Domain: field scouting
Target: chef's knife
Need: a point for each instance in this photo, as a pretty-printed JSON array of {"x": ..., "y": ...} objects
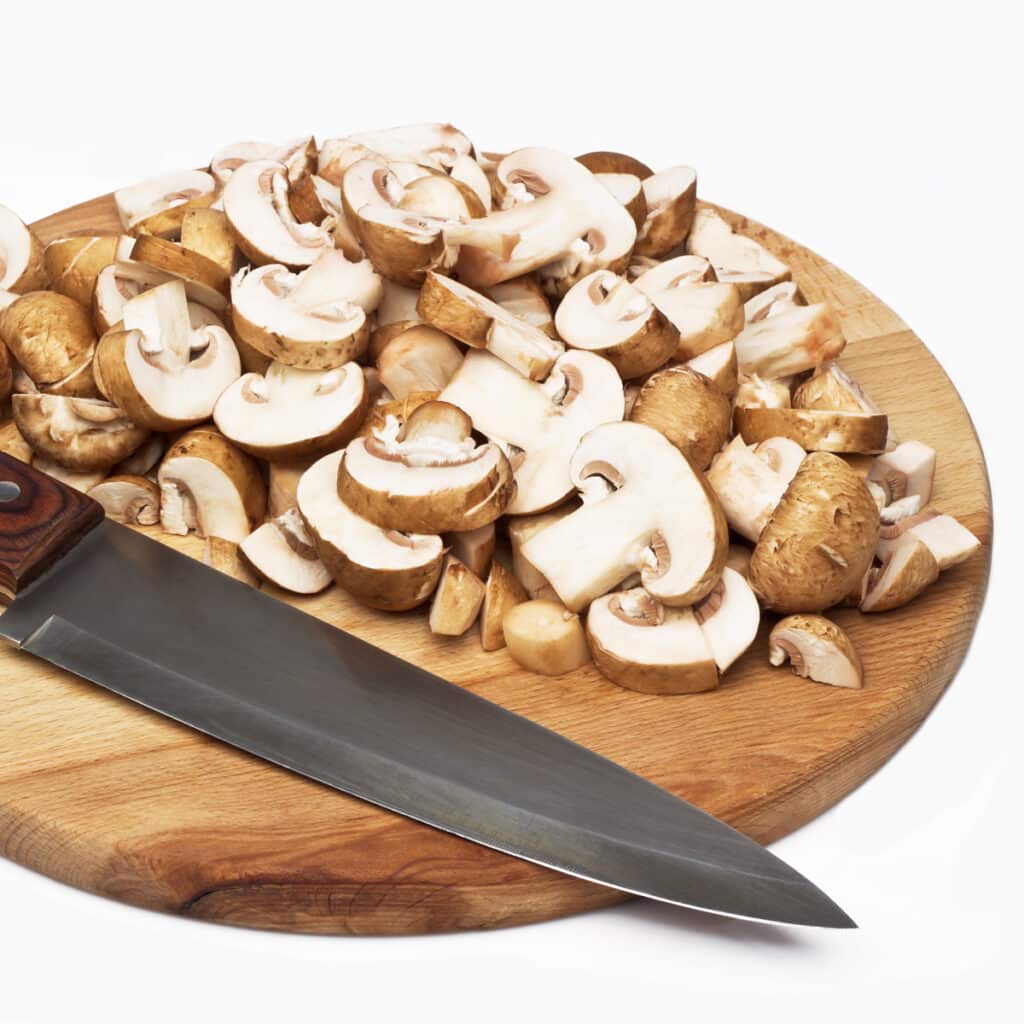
[{"x": 128, "y": 613}]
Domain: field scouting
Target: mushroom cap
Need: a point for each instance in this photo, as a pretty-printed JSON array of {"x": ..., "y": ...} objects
[
  {"x": 819, "y": 541},
  {"x": 908, "y": 569},
  {"x": 158, "y": 204},
  {"x": 653, "y": 513},
  {"x": 814, "y": 429},
  {"x": 799, "y": 339},
  {"x": 287, "y": 412},
  {"x": 282, "y": 552},
  {"x": 671, "y": 198},
  {"x": 545, "y": 637},
  {"x": 817, "y": 649},
  {"x": 73, "y": 263},
  {"x": 21, "y": 256},
  {"x": 606, "y": 314},
  {"x": 605, "y": 161},
  {"x": 48, "y": 334},
  {"x": 80, "y": 433},
  {"x": 640, "y": 644},
  {"x": 382, "y": 568},
  {"x": 729, "y": 617},
  {"x": 129, "y": 499}
]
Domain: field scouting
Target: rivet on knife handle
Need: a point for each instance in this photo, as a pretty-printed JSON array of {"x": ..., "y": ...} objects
[{"x": 40, "y": 519}]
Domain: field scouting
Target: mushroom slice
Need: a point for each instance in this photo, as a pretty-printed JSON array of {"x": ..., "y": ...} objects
[
  {"x": 474, "y": 548},
  {"x": 817, "y": 649},
  {"x": 707, "y": 313},
  {"x": 948, "y": 540},
  {"x": 74, "y": 263},
  {"x": 299, "y": 157},
  {"x": 164, "y": 374},
  {"x": 48, "y": 334},
  {"x": 747, "y": 487},
  {"x": 433, "y": 145},
  {"x": 481, "y": 323},
  {"x": 565, "y": 222},
  {"x": 419, "y": 358},
  {"x": 256, "y": 205},
  {"x": 814, "y": 429},
  {"x": 782, "y": 455},
  {"x": 134, "y": 500},
  {"x": 657, "y": 516},
  {"x": 21, "y": 256},
  {"x": 688, "y": 409},
  {"x": 606, "y": 314},
  {"x": 501, "y": 593},
  {"x": 819, "y": 541},
  {"x": 640, "y": 644},
  {"x": 755, "y": 392},
  {"x": 457, "y": 599},
  {"x": 383, "y": 569},
  {"x": 671, "y": 198},
  {"x": 288, "y": 412},
  {"x": 833, "y": 389},
  {"x": 131, "y": 278},
  {"x": 772, "y": 301},
  {"x": 539, "y": 425},
  {"x": 606, "y": 161},
  {"x": 210, "y": 486},
  {"x": 282, "y": 552},
  {"x": 156, "y": 206},
  {"x": 466, "y": 170},
  {"x": 729, "y": 618},
  {"x": 524, "y": 298},
  {"x": 80, "y": 433},
  {"x": 81, "y": 480},
  {"x": 208, "y": 233},
  {"x": 800, "y": 338},
  {"x": 545, "y": 637},
  {"x": 178, "y": 262},
  {"x": 908, "y": 569},
  {"x": 427, "y": 475},
  {"x": 629, "y": 191},
  {"x": 736, "y": 258},
  {"x": 315, "y": 320},
  {"x": 907, "y": 471},
  {"x": 720, "y": 366}
]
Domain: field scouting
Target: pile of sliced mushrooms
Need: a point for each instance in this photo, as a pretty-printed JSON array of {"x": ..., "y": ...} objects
[{"x": 554, "y": 396}]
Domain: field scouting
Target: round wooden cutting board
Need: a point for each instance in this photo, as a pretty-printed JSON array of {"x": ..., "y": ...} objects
[{"x": 114, "y": 799}]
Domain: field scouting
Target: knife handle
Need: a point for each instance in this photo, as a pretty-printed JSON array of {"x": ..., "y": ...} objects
[{"x": 40, "y": 520}]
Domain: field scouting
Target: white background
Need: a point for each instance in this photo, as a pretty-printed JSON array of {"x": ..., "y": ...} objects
[{"x": 886, "y": 139}]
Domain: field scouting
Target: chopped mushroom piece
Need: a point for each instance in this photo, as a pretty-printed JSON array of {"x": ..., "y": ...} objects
[
  {"x": 771, "y": 301},
  {"x": 299, "y": 156},
  {"x": 800, "y": 338},
  {"x": 720, "y": 366},
  {"x": 729, "y": 618},
  {"x": 74, "y": 263},
  {"x": 908, "y": 471},
  {"x": 948, "y": 540},
  {"x": 474, "y": 548},
  {"x": 908, "y": 569},
  {"x": 755, "y": 392},
  {"x": 21, "y": 256},
  {"x": 502, "y": 592},
  {"x": 420, "y": 358},
  {"x": 814, "y": 429},
  {"x": 13, "y": 444},
  {"x": 783, "y": 455},
  {"x": 520, "y": 530},
  {"x": 457, "y": 599},
  {"x": 156, "y": 206},
  {"x": 833, "y": 389},
  {"x": 282, "y": 552},
  {"x": 524, "y": 298},
  {"x": 629, "y": 191},
  {"x": 208, "y": 233},
  {"x": 210, "y": 283},
  {"x": 748, "y": 487},
  {"x": 50, "y": 336},
  {"x": 545, "y": 637},
  {"x": 671, "y": 198},
  {"x": 817, "y": 649},
  {"x": 134, "y": 500}
]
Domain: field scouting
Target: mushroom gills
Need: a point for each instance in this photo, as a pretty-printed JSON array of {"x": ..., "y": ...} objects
[{"x": 282, "y": 552}]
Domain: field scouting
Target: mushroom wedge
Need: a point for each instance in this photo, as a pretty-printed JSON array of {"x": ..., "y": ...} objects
[
  {"x": 720, "y": 366},
  {"x": 384, "y": 569},
  {"x": 439, "y": 146},
  {"x": 21, "y": 256},
  {"x": 671, "y": 198},
  {"x": 748, "y": 487},
  {"x": 817, "y": 649},
  {"x": 426, "y": 475},
  {"x": 771, "y": 301},
  {"x": 729, "y": 618},
  {"x": 800, "y": 338},
  {"x": 948, "y": 540},
  {"x": 457, "y": 599},
  {"x": 156, "y": 206},
  {"x": 524, "y": 298},
  {"x": 538, "y": 424},
  {"x": 908, "y": 569},
  {"x": 651, "y": 513},
  {"x": 282, "y": 552},
  {"x": 833, "y": 389},
  {"x": 288, "y": 413},
  {"x": 564, "y": 223},
  {"x": 162, "y": 372}
]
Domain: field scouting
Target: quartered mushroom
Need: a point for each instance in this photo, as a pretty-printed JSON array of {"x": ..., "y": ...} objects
[
  {"x": 645, "y": 510},
  {"x": 426, "y": 475},
  {"x": 282, "y": 551},
  {"x": 814, "y": 429},
  {"x": 817, "y": 649},
  {"x": 382, "y": 568},
  {"x": 288, "y": 413},
  {"x": 755, "y": 392},
  {"x": 948, "y": 540},
  {"x": 640, "y": 644},
  {"x": 604, "y": 313},
  {"x": 156, "y": 206},
  {"x": 524, "y": 298},
  {"x": 502, "y": 592},
  {"x": 474, "y": 548},
  {"x": 50, "y": 336},
  {"x": 457, "y": 599},
  {"x": 748, "y": 487},
  {"x": 420, "y": 358},
  {"x": 671, "y": 198},
  {"x": 538, "y": 424},
  {"x": 908, "y": 569},
  {"x": 719, "y": 365},
  {"x": 545, "y": 637},
  {"x": 21, "y": 256},
  {"x": 482, "y": 323},
  {"x": 798, "y": 339},
  {"x": 134, "y": 500},
  {"x": 74, "y": 263},
  {"x": 440, "y": 146},
  {"x": 908, "y": 471},
  {"x": 729, "y": 618}
]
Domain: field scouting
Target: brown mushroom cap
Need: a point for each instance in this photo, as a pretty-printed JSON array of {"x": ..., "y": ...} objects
[
  {"x": 817, "y": 649},
  {"x": 48, "y": 334},
  {"x": 21, "y": 256},
  {"x": 819, "y": 541},
  {"x": 605, "y": 161},
  {"x": 813, "y": 429},
  {"x": 75, "y": 262},
  {"x": 671, "y": 198}
]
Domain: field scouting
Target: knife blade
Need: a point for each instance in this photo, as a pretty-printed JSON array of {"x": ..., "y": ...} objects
[{"x": 157, "y": 627}]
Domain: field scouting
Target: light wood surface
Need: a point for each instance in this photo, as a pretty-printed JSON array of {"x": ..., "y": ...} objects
[{"x": 116, "y": 800}]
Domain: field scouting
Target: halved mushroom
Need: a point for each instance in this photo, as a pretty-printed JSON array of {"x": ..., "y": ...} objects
[
  {"x": 79, "y": 433},
  {"x": 814, "y": 429},
  {"x": 545, "y": 637},
  {"x": 282, "y": 552},
  {"x": 748, "y": 488},
  {"x": 640, "y": 644},
  {"x": 288, "y": 413},
  {"x": 908, "y": 569},
  {"x": 772, "y": 301},
  {"x": 457, "y": 599},
  {"x": 74, "y": 263},
  {"x": 654, "y": 514},
  {"x": 833, "y": 389},
  {"x": 706, "y": 312},
  {"x": 155, "y": 366},
  {"x": 729, "y": 618},
  {"x": 50, "y": 335},
  {"x": 604, "y": 313},
  {"x": 754, "y": 392},
  {"x": 433, "y": 145},
  {"x": 538, "y": 424},
  {"x": 524, "y": 298},
  {"x": 21, "y": 256},
  {"x": 671, "y": 197},
  {"x": 800, "y": 338},
  {"x": 384, "y": 569},
  {"x": 315, "y": 320},
  {"x": 427, "y": 475},
  {"x": 501, "y": 593},
  {"x": 257, "y": 208},
  {"x": 299, "y": 157},
  {"x": 817, "y": 649},
  {"x": 207, "y": 232},
  {"x": 907, "y": 471},
  {"x": 481, "y": 323},
  {"x": 419, "y": 358},
  {"x": 948, "y": 540},
  {"x": 688, "y": 409},
  {"x": 134, "y": 500},
  {"x": 720, "y": 366},
  {"x": 819, "y": 541},
  {"x": 566, "y": 224},
  {"x": 210, "y": 486},
  {"x": 783, "y": 455},
  {"x": 156, "y": 206},
  {"x": 736, "y": 258}
]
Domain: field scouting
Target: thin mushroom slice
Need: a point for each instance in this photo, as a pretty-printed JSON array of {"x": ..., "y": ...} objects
[
  {"x": 177, "y": 261},
  {"x": 671, "y": 198},
  {"x": 948, "y": 540},
  {"x": 817, "y": 649},
  {"x": 545, "y": 637},
  {"x": 799, "y": 339},
  {"x": 74, "y": 263},
  {"x": 282, "y": 552},
  {"x": 747, "y": 487},
  {"x": 639, "y": 644},
  {"x": 21, "y": 256},
  {"x": 383, "y": 569},
  {"x": 772, "y": 301},
  {"x": 720, "y": 366},
  {"x": 909, "y": 568},
  {"x": 457, "y": 599},
  {"x": 156, "y": 206},
  {"x": 814, "y": 429},
  {"x": 524, "y": 298},
  {"x": 729, "y": 618},
  {"x": 133, "y": 500},
  {"x": 629, "y": 191},
  {"x": 49, "y": 335},
  {"x": 905, "y": 472}
]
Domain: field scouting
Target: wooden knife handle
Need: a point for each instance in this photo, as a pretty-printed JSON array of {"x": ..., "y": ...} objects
[{"x": 40, "y": 520}]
